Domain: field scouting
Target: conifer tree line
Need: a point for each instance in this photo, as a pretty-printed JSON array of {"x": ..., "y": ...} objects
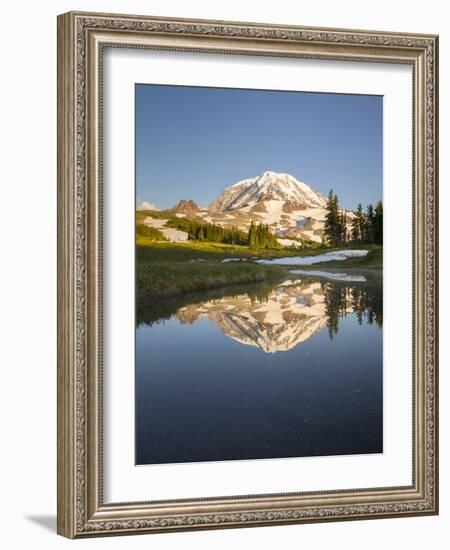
[
  {"x": 367, "y": 226},
  {"x": 258, "y": 235}
]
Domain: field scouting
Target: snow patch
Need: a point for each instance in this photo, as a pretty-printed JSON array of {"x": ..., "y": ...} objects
[
  {"x": 289, "y": 242},
  {"x": 173, "y": 235},
  {"x": 318, "y": 214},
  {"x": 310, "y": 260}
]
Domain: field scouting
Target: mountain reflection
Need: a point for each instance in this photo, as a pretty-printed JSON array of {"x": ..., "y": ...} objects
[{"x": 279, "y": 318}]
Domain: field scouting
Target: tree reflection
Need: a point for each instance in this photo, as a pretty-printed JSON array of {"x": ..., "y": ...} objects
[
  {"x": 366, "y": 302},
  {"x": 274, "y": 317}
]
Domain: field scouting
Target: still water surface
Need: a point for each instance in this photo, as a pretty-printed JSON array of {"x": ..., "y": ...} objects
[{"x": 262, "y": 372}]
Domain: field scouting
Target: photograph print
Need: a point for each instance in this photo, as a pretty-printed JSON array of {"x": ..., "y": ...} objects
[{"x": 259, "y": 269}]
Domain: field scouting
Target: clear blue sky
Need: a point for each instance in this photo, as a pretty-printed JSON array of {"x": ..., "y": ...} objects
[{"x": 193, "y": 142}]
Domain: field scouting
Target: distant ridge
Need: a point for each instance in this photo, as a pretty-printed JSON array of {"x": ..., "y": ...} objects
[{"x": 188, "y": 207}]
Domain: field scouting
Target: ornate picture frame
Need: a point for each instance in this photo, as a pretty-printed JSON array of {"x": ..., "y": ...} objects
[{"x": 82, "y": 38}]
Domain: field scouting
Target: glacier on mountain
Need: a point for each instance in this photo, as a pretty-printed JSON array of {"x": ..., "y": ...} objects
[{"x": 268, "y": 186}]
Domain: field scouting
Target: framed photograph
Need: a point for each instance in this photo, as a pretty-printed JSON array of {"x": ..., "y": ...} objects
[{"x": 247, "y": 276}]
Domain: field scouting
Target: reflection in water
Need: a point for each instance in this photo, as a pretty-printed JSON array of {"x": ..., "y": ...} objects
[
  {"x": 366, "y": 302},
  {"x": 279, "y": 318},
  {"x": 261, "y": 371},
  {"x": 286, "y": 316}
]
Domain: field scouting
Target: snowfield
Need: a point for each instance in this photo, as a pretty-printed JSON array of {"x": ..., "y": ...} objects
[
  {"x": 173, "y": 235},
  {"x": 288, "y": 242},
  {"x": 310, "y": 260},
  {"x": 269, "y": 185}
]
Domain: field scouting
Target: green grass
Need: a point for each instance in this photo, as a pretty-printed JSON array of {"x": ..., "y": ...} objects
[
  {"x": 177, "y": 278},
  {"x": 193, "y": 250},
  {"x": 175, "y": 268},
  {"x": 165, "y": 268},
  {"x": 149, "y": 233}
]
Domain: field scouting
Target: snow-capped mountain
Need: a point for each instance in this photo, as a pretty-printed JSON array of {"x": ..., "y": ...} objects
[
  {"x": 268, "y": 186},
  {"x": 291, "y": 208},
  {"x": 290, "y": 314}
]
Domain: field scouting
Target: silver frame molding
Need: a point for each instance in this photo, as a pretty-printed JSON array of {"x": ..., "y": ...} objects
[{"x": 81, "y": 39}]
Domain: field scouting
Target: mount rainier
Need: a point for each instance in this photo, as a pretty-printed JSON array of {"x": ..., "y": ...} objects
[
  {"x": 268, "y": 186},
  {"x": 291, "y": 208}
]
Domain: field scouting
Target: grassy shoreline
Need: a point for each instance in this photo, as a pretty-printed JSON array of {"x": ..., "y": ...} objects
[
  {"x": 169, "y": 280},
  {"x": 170, "y": 269}
]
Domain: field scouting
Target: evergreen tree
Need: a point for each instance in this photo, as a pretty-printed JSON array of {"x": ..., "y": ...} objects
[
  {"x": 343, "y": 227},
  {"x": 334, "y": 231},
  {"x": 260, "y": 236},
  {"x": 209, "y": 232},
  {"x": 369, "y": 225},
  {"x": 252, "y": 235},
  {"x": 378, "y": 223},
  {"x": 358, "y": 224},
  {"x": 331, "y": 219}
]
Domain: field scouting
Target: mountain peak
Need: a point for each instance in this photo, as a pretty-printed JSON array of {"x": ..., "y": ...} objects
[
  {"x": 272, "y": 173},
  {"x": 185, "y": 207},
  {"x": 269, "y": 185}
]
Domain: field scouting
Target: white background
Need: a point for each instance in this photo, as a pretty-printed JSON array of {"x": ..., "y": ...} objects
[
  {"x": 28, "y": 272},
  {"x": 123, "y": 482}
]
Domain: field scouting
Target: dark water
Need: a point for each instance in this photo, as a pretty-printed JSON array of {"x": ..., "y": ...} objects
[{"x": 267, "y": 372}]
